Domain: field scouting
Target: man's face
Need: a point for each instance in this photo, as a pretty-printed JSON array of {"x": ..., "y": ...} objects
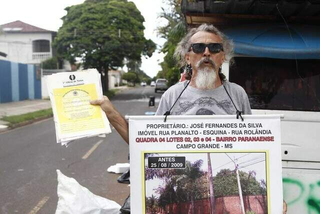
[{"x": 200, "y": 60}]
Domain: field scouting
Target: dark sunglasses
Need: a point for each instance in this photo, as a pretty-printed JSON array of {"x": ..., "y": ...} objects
[{"x": 201, "y": 47}]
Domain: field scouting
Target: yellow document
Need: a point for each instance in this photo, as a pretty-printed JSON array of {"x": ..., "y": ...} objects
[
  {"x": 74, "y": 110},
  {"x": 74, "y": 117}
]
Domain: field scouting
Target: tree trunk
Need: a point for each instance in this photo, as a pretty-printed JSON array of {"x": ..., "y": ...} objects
[
  {"x": 191, "y": 207},
  {"x": 210, "y": 176},
  {"x": 248, "y": 202},
  {"x": 104, "y": 80}
]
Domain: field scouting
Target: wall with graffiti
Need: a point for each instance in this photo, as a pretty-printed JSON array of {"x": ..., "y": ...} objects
[{"x": 301, "y": 190}]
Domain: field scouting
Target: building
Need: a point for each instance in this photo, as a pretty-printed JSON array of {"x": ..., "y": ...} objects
[
  {"x": 115, "y": 79},
  {"x": 24, "y": 43}
]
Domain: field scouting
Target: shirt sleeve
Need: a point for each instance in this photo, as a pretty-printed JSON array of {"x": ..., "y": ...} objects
[
  {"x": 246, "y": 104},
  {"x": 163, "y": 106}
]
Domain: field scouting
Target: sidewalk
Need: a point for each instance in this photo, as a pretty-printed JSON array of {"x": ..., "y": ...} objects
[
  {"x": 21, "y": 107},
  {"x": 26, "y": 106}
]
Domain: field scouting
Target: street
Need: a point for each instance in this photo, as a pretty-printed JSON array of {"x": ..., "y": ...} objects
[{"x": 30, "y": 156}]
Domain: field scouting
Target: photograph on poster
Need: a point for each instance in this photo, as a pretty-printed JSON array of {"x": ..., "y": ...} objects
[{"x": 230, "y": 182}]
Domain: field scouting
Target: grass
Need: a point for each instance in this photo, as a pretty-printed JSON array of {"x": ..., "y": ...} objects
[
  {"x": 111, "y": 92},
  {"x": 23, "y": 118}
]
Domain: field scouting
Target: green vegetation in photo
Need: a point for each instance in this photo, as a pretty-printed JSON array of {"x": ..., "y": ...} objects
[
  {"x": 180, "y": 185},
  {"x": 191, "y": 184},
  {"x": 17, "y": 119},
  {"x": 226, "y": 184}
]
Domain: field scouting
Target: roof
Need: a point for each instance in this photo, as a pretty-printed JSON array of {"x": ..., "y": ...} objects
[{"x": 21, "y": 27}]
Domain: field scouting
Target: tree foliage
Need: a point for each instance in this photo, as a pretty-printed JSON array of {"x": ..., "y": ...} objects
[
  {"x": 130, "y": 77},
  {"x": 191, "y": 184},
  {"x": 181, "y": 185},
  {"x": 51, "y": 63},
  {"x": 102, "y": 33},
  {"x": 225, "y": 183},
  {"x": 173, "y": 32},
  {"x": 151, "y": 203},
  {"x": 134, "y": 66}
]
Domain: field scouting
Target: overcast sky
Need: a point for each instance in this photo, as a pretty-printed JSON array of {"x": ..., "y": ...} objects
[{"x": 47, "y": 14}]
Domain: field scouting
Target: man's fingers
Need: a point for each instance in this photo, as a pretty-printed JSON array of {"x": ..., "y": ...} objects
[
  {"x": 105, "y": 98},
  {"x": 99, "y": 101},
  {"x": 96, "y": 102}
]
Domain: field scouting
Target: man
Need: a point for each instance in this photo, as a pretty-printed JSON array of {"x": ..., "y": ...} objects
[{"x": 202, "y": 51}]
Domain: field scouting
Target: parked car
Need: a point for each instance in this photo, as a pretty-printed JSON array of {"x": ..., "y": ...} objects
[
  {"x": 161, "y": 85},
  {"x": 143, "y": 84},
  {"x": 153, "y": 84}
]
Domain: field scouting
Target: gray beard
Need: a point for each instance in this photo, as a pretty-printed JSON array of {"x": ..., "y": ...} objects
[{"x": 206, "y": 78}]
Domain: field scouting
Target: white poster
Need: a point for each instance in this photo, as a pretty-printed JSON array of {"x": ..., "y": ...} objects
[{"x": 192, "y": 164}]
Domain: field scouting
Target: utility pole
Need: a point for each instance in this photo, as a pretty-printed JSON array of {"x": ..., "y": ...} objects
[
  {"x": 211, "y": 190},
  {"x": 240, "y": 190},
  {"x": 239, "y": 185}
]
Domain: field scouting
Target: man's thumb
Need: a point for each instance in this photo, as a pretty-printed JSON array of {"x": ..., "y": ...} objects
[{"x": 95, "y": 102}]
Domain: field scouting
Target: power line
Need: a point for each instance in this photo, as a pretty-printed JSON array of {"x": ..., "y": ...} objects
[
  {"x": 243, "y": 156},
  {"x": 255, "y": 158},
  {"x": 232, "y": 161},
  {"x": 251, "y": 164},
  {"x": 222, "y": 165}
]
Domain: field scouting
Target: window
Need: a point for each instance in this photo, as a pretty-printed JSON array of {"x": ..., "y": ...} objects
[
  {"x": 41, "y": 46},
  {"x": 279, "y": 84}
]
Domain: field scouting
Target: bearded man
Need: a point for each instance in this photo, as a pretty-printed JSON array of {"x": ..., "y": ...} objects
[{"x": 202, "y": 51}]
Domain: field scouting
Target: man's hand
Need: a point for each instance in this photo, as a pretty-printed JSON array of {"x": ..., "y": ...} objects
[
  {"x": 285, "y": 208},
  {"x": 105, "y": 105},
  {"x": 114, "y": 117}
]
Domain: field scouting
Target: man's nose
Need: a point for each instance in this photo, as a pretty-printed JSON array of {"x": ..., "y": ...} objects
[{"x": 206, "y": 52}]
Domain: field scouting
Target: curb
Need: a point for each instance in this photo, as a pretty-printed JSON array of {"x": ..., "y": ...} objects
[
  {"x": 3, "y": 128},
  {"x": 4, "y": 125},
  {"x": 11, "y": 127}
]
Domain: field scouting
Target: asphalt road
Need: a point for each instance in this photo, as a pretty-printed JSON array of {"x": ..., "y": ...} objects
[{"x": 29, "y": 158}]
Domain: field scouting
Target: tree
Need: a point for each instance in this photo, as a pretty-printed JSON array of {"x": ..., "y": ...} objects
[
  {"x": 102, "y": 33},
  {"x": 192, "y": 173},
  {"x": 134, "y": 66},
  {"x": 173, "y": 31},
  {"x": 167, "y": 195},
  {"x": 225, "y": 183},
  {"x": 52, "y": 63},
  {"x": 130, "y": 77},
  {"x": 151, "y": 203},
  {"x": 181, "y": 185}
]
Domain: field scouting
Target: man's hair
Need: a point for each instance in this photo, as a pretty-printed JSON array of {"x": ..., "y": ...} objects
[{"x": 184, "y": 45}]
